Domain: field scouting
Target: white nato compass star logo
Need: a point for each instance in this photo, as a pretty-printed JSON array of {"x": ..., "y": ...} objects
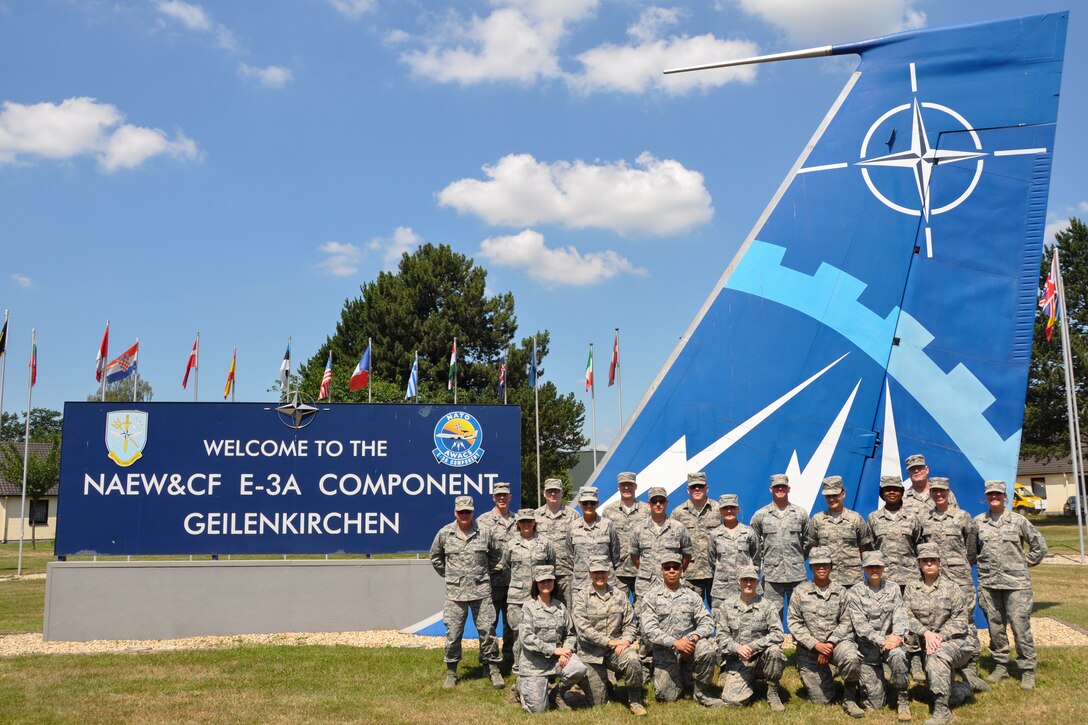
[{"x": 921, "y": 158}]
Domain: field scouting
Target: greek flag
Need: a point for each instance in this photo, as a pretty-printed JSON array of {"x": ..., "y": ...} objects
[{"x": 413, "y": 379}]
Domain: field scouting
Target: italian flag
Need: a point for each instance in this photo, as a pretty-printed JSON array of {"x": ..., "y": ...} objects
[
  {"x": 453, "y": 366},
  {"x": 589, "y": 371}
]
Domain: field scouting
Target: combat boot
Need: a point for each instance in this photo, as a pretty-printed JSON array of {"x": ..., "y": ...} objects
[
  {"x": 1027, "y": 680},
  {"x": 850, "y": 701},
  {"x": 705, "y": 696},
  {"x": 970, "y": 674},
  {"x": 555, "y": 697},
  {"x": 941, "y": 713},
  {"x": 917, "y": 672},
  {"x": 514, "y": 696},
  {"x": 451, "y": 677},
  {"x": 493, "y": 673},
  {"x": 903, "y": 711},
  {"x": 773, "y": 699},
  {"x": 961, "y": 692},
  {"x": 1000, "y": 673},
  {"x": 634, "y": 702}
]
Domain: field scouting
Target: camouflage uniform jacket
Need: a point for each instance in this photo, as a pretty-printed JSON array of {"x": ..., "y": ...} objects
[
  {"x": 895, "y": 535},
  {"x": 600, "y": 616},
  {"x": 1002, "y": 562},
  {"x": 466, "y": 561},
  {"x": 781, "y": 535},
  {"x": 701, "y": 525},
  {"x": 876, "y": 614},
  {"x": 626, "y": 520},
  {"x": 818, "y": 615},
  {"x": 519, "y": 558},
  {"x": 943, "y": 608},
  {"x": 918, "y": 503},
  {"x": 503, "y": 529},
  {"x": 756, "y": 624},
  {"x": 729, "y": 550},
  {"x": 669, "y": 614},
  {"x": 542, "y": 629},
  {"x": 555, "y": 528},
  {"x": 845, "y": 535},
  {"x": 589, "y": 541},
  {"x": 649, "y": 542},
  {"x": 955, "y": 535}
]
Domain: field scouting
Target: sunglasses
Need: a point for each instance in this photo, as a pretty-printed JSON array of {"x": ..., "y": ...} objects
[
  {"x": 697, "y": 486},
  {"x": 658, "y": 502},
  {"x": 588, "y": 503},
  {"x": 670, "y": 567}
]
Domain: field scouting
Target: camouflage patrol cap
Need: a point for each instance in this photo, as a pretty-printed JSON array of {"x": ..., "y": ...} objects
[
  {"x": 929, "y": 551},
  {"x": 500, "y": 487},
  {"x": 728, "y": 499},
  {"x": 599, "y": 565},
  {"x": 626, "y": 477},
  {"x": 543, "y": 572},
  {"x": 671, "y": 557},
  {"x": 833, "y": 486},
  {"x": 872, "y": 558},
  {"x": 551, "y": 484},
  {"x": 697, "y": 478},
  {"x": 819, "y": 555},
  {"x": 747, "y": 572},
  {"x": 657, "y": 492},
  {"x": 915, "y": 459},
  {"x": 588, "y": 493},
  {"x": 525, "y": 515},
  {"x": 780, "y": 479},
  {"x": 996, "y": 487},
  {"x": 891, "y": 482},
  {"x": 464, "y": 503},
  {"x": 938, "y": 482}
]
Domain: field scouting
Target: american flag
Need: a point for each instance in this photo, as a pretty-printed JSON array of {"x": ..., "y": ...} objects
[{"x": 326, "y": 380}]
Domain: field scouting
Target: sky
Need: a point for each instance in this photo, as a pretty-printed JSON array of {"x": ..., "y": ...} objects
[{"x": 240, "y": 168}]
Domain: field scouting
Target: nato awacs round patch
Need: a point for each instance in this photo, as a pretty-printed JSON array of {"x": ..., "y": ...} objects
[{"x": 457, "y": 438}]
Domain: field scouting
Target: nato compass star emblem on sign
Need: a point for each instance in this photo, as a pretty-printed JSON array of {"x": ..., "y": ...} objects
[
  {"x": 921, "y": 158},
  {"x": 297, "y": 413}
]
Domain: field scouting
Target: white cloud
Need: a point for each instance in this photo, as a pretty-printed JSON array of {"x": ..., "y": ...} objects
[
  {"x": 652, "y": 22},
  {"x": 656, "y": 196},
  {"x": 394, "y": 247},
  {"x": 836, "y": 21},
  {"x": 1083, "y": 207},
  {"x": 354, "y": 9},
  {"x": 22, "y": 280},
  {"x": 83, "y": 126},
  {"x": 567, "y": 266},
  {"x": 273, "y": 76},
  {"x": 341, "y": 260},
  {"x": 192, "y": 17}
]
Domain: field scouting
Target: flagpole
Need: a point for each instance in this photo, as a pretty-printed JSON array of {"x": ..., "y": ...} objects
[
  {"x": 505, "y": 384},
  {"x": 454, "y": 363},
  {"x": 1071, "y": 406},
  {"x": 370, "y": 373},
  {"x": 104, "y": 363},
  {"x": 136, "y": 380},
  {"x": 3, "y": 371},
  {"x": 593, "y": 405},
  {"x": 196, "y": 368},
  {"x": 26, "y": 445},
  {"x": 619, "y": 379},
  {"x": 234, "y": 369},
  {"x": 536, "y": 405},
  {"x": 415, "y": 368}
]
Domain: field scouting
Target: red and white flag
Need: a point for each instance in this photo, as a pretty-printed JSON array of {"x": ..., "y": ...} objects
[
  {"x": 103, "y": 354},
  {"x": 612, "y": 366},
  {"x": 191, "y": 365}
]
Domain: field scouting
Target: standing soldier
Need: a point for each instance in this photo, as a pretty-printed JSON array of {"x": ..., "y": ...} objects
[
  {"x": 732, "y": 546},
  {"x": 553, "y": 522},
  {"x": 605, "y": 624},
  {"x": 626, "y": 515},
  {"x": 679, "y": 628},
  {"x": 523, "y": 553},
  {"x": 841, "y": 530},
  {"x": 1005, "y": 584},
  {"x": 821, "y": 628},
  {"x": 500, "y": 522},
  {"x": 591, "y": 537},
  {"x": 657, "y": 537},
  {"x": 701, "y": 519},
  {"x": 879, "y": 619},
  {"x": 781, "y": 530},
  {"x": 917, "y": 499},
  {"x": 895, "y": 533},
  {"x": 750, "y": 643},
  {"x": 465, "y": 556}
]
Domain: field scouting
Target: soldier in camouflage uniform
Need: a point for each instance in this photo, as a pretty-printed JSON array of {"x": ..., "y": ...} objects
[
  {"x": 841, "y": 530},
  {"x": 1005, "y": 584},
  {"x": 750, "y": 642},
  {"x": 656, "y": 537},
  {"x": 938, "y": 611},
  {"x": 679, "y": 628},
  {"x": 466, "y": 556},
  {"x": 605, "y": 623},
  {"x": 916, "y": 498},
  {"x": 821, "y": 628},
  {"x": 553, "y": 522},
  {"x": 591, "y": 537},
  {"x": 523, "y": 553},
  {"x": 626, "y": 515},
  {"x": 895, "y": 533},
  {"x": 732, "y": 546},
  {"x": 781, "y": 530},
  {"x": 547, "y": 647},
  {"x": 500, "y": 521},
  {"x": 879, "y": 619},
  {"x": 702, "y": 519}
]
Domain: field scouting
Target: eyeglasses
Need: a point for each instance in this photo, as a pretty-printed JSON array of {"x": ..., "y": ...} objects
[{"x": 670, "y": 567}]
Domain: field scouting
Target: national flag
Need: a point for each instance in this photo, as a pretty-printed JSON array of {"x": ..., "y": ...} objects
[
  {"x": 532, "y": 366},
  {"x": 230, "y": 375},
  {"x": 589, "y": 370},
  {"x": 413, "y": 379},
  {"x": 1049, "y": 301},
  {"x": 123, "y": 365},
  {"x": 285, "y": 367},
  {"x": 191, "y": 365},
  {"x": 502, "y": 378},
  {"x": 360, "y": 377},
  {"x": 453, "y": 366},
  {"x": 103, "y": 354},
  {"x": 612, "y": 366},
  {"x": 326, "y": 380},
  {"x": 33, "y": 360},
  {"x": 4, "y": 337}
]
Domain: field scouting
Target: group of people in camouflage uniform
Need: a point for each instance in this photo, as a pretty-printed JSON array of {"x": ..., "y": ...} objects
[{"x": 634, "y": 593}]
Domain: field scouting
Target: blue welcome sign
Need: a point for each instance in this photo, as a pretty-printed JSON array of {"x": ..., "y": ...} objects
[{"x": 251, "y": 478}]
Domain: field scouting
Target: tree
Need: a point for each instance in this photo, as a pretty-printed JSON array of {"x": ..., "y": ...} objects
[
  {"x": 45, "y": 423},
  {"x": 42, "y": 473},
  {"x": 121, "y": 391},
  {"x": 435, "y": 295},
  {"x": 1046, "y": 427}
]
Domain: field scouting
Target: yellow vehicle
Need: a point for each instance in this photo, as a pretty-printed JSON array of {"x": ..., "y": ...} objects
[{"x": 1024, "y": 501}]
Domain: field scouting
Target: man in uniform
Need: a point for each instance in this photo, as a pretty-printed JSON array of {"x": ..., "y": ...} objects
[
  {"x": 465, "y": 556},
  {"x": 750, "y": 642},
  {"x": 841, "y": 530},
  {"x": 626, "y": 515},
  {"x": 500, "y": 522},
  {"x": 1004, "y": 582},
  {"x": 879, "y": 620},
  {"x": 701, "y": 519},
  {"x": 605, "y": 624},
  {"x": 916, "y": 499},
  {"x": 553, "y": 522},
  {"x": 821, "y": 628},
  {"x": 938, "y": 612},
  {"x": 591, "y": 537},
  {"x": 679, "y": 627},
  {"x": 656, "y": 537},
  {"x": 781, "y": 530},
  {"x": 732, "y": 545}
]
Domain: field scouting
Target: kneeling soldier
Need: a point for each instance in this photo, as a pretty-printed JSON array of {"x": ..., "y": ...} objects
[
  {"x": 750, "y": 642},
  {"x": 547, "y": 647}
]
